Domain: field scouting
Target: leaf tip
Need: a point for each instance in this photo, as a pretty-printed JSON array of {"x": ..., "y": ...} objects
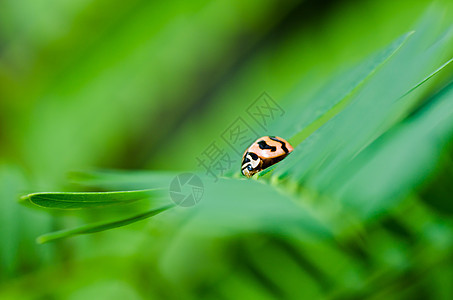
[
  {"x": 41, "y": 239},
  {"x": 24, "y": 198}
]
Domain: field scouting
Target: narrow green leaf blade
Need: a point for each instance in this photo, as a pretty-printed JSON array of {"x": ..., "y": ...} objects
[
  {"x": 319, "y": 161},
  {"x": 307, "y": 116},
  {"x": 101, "y": 226},
  {"x": 415, "y": 145},
  {"x": 429, "y": 76},
  {"x": 79, "y": 200}
]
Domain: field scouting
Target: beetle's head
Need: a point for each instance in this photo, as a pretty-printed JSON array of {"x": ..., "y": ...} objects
[{"x": 251, "y": 164}]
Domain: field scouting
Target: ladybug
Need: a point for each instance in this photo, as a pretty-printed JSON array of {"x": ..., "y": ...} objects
[{"x": 263, "y": 153}]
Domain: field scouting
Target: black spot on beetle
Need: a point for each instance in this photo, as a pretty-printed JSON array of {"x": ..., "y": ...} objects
[
  {"x": 253, "y": 155},
  {"x": 263, "y": 145},
  {"x": 281, "y": 142}
]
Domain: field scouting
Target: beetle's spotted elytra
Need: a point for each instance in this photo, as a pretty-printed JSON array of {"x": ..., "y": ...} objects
[{"x": 263, "y": 153}]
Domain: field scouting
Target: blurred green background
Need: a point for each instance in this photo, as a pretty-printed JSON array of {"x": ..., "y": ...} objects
[{"x": 143, "y": 85}]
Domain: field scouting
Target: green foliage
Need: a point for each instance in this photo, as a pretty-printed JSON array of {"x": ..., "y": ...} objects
[
  {"x": 88, "y": 200},
  {"x": 92, "y": 228},
  {"x": 335, "y": 163},
  {"x": 359, "y": 210}
]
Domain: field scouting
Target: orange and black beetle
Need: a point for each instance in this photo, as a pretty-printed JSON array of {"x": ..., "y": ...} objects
[{"x": 263, "y": 153}]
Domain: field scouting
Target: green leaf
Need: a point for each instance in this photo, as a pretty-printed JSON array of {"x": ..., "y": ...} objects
[
  {"x": 332, "y": 99},
  {"x": 403, "y": 158},
  {"x": 101, "y": 226},
  {"x": 79, "y": 200},
  {"x": 319, "y": 161},
  {"x": 239, "y": 205}
]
